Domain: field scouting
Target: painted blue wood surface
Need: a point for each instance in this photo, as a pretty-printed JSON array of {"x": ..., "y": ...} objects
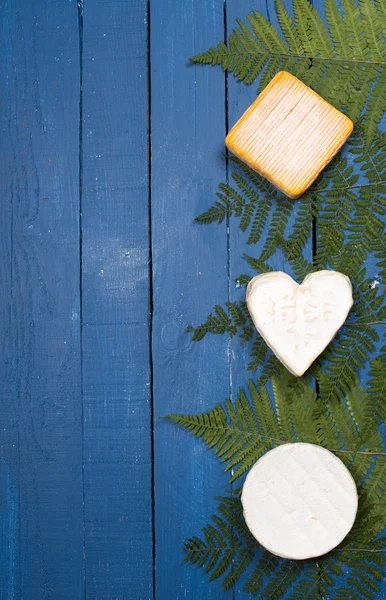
[
  {"x": 115, "y": 302},
  {"x": 93, "y": 308},
  {"x": 41, "y": 512},
  {"x": 190, "y": 274}
]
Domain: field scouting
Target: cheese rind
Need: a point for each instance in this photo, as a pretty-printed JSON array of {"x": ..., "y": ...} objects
[
  {"x": 298, "y": 321},
  {"x": 289, "y": 134},
  {"x": 299, "y": 501}
]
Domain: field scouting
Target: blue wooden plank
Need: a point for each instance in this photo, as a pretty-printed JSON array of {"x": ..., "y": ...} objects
[
  {"x": 41, "y": 512},
  {"x": 190, "y": 275},
  {"x": 240, "y": 97},
  {"x": 115, "y": 300}
]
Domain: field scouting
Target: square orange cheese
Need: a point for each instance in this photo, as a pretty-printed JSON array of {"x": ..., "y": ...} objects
[{"x": 289, "y": 134}]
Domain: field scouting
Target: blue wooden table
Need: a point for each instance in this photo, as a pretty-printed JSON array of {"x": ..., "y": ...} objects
[{"x": 110, "y": 145}]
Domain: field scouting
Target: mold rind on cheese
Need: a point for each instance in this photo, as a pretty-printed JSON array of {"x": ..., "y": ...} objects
[
  {"x": 299, "y": 321},
  {"x": 299, "y": 501}
]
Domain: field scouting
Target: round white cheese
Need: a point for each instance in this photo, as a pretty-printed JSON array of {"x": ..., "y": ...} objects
[{"x": 299, "y": 501}]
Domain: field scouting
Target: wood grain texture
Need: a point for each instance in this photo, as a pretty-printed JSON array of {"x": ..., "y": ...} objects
[
  {"x": 240, "y": 97},
  {"x": 190, "y": 274},
  {"x": 115, "y": 263},
  {"x": 62, "y": 538},
  {"x": 41, "y": 514}
]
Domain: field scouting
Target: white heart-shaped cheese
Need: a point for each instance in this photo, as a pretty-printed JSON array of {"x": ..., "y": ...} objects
[{"x": 298, "y": 321}]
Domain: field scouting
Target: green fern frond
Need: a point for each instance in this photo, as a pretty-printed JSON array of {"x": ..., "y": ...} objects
[
  {"x": 231, "y": 433},
  {"x": 301, "y": 267},
  {"x": 239, "y": 566},
  {"x": 376, "y": 107},
  {"x": 227, "y": 547},
  {"x": 288, "y": 28},
  {"x": 307, "y": 210},
  {"x": 259, "y": 221},
  {"x": 277, "y": 227},
  {"x": 310, "y": 586},
  {"x": 259, "y": 351},
  {"x": 241, "y": 431},
  {"x": 380, "y": 257},
  {"x": 232, "y": 319},
  {"x": 337, "y": 368},
  {"x": 320, "y": 43},
  {"x": 381, "y": 14},
  {"x": 236, "y": 431},
  {"x": 244, "y": 203},
  {"x": 258, "y": 264},
  {"x": 272, "y": 368},
  {"x": 338, "y": 34},
  {"x": 361, "y": 412},
  {"x": 354, "y": 30},
  {"x": 243, "y": 279},
  {"x": 266, "y": 33},
  {"x": 217, "y": 212},
  {"x": 335, "y": 215},
  {"x": 346, "y": 204},
  {"x": 266, "y": 565},
  {"x": 282, "y": 580},
  {"x": 377, "y": 386},
  {"x": 373, "y": 28},
  {"x": 345, "y": 357},
  {"x": 345, "y": 62},
  {"x": 338, "y": 201},
  {"x": 364, "y": 579}
]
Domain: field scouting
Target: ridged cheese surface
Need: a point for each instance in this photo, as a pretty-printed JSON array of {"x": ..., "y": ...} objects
[
  {"x": 289, "y": 134},
  {"x": 299, "y": 501}
]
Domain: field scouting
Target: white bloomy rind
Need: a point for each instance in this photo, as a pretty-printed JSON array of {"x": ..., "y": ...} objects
[
  {"x": 299, "y": 501},
  {"x": 298, "y": 321}
]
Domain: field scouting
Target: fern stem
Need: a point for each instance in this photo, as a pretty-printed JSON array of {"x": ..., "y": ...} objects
[
  {"x": 272, "y": 439},
  {"x": 381, "y": 63},
  {"x": 360, "y": 550},
  {"x": 288, "y": 568},
  {"x": 364, "y": 324},
  {"x": 348, "y": 187},
  {"x": 360, "y": 452}
]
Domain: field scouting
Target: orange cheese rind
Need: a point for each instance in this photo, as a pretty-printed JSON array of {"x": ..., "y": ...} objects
[{"x": 289, "y": 134}]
